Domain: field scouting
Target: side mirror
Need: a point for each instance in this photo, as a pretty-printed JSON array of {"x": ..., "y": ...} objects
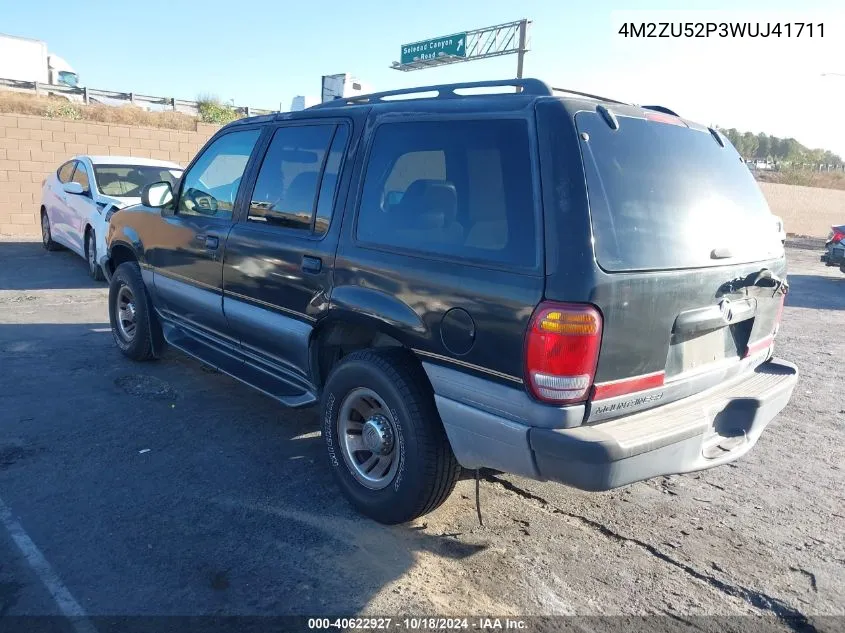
[
  {"x": 73, "y": 187},
  {"x": 157, "y": 194}
]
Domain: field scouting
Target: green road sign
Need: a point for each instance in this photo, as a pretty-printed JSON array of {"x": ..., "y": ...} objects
[{"x": 453, "y": 45}]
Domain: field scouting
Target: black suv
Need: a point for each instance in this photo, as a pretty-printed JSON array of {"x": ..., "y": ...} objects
[{"x": 541, "y": 282}]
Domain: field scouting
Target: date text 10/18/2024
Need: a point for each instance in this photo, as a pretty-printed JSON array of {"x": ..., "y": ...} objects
[{"x": 419, "y": 624}]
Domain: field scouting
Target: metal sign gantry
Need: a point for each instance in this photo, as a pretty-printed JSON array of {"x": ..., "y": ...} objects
[{"x": 491, "y": 41}]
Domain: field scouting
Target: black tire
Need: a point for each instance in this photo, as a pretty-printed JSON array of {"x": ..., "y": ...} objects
[
  {"x": 94, "y": 269},
  {"x": 146, "y": 326},
  {"x": 427, "y": 470},
  {"x": 47, "y": 233}
]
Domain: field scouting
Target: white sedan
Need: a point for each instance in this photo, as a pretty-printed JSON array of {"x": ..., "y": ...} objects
[{"x": 78, "y": 200}]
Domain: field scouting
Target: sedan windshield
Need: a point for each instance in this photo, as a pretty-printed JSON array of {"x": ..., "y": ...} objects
[{"x": 126, "y": 181}]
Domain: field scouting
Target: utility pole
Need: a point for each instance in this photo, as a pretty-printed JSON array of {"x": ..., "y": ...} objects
[{"x": 520, "y": 57}]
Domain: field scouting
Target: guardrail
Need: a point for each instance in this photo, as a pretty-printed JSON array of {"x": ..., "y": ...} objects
[{"x": 94, "y": 95}]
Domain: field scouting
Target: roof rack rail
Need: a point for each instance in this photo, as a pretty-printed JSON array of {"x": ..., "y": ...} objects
[
  {"x": 659, "y": 108},
  {"x": 588, "y": 95},
  {"x": 444, "y": 91}
]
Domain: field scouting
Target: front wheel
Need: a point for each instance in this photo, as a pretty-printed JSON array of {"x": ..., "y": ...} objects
[
  {"x": 132, "y": 321},
  {"x": 94, "y": 269},
  {"x": 387, "y": 447}
]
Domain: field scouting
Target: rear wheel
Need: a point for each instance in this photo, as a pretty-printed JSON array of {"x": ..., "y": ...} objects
[
  {"x": 387, "y": 447},
  {"x": 46, "y": 234},
  {"x": 133, "y": 323},
  {"x": 94, "y": 269}
]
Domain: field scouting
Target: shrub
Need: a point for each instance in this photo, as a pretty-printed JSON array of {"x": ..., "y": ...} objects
[
  {"x": 63, "y": 111},
  {"x": 212, "y": 111}
]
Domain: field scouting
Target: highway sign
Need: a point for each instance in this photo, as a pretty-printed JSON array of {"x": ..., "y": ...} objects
[{"x": 446, "y": 46}]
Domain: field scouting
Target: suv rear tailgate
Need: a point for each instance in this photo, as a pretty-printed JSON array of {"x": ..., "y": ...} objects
[{"x": 687, "y": 269}]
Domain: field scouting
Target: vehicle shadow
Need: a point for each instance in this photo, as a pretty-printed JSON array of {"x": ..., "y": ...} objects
[
  {"x": 27, "y": 266},
  {"x": 816, "y": 291},
  {"x": 210, "y": 498}
]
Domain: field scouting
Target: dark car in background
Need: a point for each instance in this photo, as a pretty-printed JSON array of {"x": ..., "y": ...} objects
[
  {"x": 545, "y": 282},
  {"x": 834, "y": 248}
]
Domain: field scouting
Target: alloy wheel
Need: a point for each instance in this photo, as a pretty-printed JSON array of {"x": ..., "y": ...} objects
[
  {"x": 368, "y": 438},
  {"x": 126, "y": 314}
]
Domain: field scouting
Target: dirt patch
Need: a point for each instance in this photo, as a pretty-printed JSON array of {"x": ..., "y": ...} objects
[
  {"x": 148, "y": 387},
  {"x": 805, "y": 178}
]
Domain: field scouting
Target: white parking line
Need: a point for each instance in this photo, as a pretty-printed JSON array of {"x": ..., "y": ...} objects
[{"x": 68, "y": 606}]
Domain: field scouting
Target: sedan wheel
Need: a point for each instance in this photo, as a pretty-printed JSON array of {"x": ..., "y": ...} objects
[{"x": 94, "y": 269}]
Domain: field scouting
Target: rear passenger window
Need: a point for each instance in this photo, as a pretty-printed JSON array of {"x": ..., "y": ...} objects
[
  {"x": 453, "y": 188},
  {"x": 285, "y": 193}
]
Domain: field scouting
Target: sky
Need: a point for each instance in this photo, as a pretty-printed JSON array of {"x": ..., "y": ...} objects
[{"x": 265, "y": 52}]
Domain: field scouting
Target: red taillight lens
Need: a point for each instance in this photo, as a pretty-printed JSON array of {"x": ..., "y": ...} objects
[
  {"x": 664, "y": 118},
  {"x": 561, "y": 351},
  {"x": 838, "y": 236}
]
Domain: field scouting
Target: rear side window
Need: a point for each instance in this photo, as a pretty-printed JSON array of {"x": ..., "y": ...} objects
[
  {"x": 667, "y": 196},
  {"x": 452, "y": 188},
  {"x": 65, "y": 171},
  {"x": 292, "y": 181}
]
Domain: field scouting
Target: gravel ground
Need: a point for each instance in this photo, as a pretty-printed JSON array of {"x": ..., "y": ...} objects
[{"x": 163, "y": 488}]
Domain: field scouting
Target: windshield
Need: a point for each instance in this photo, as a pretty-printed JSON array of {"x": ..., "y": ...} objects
[
  {"x": 668, "y": 196},
  {"x": 126, "y": 181},
  {"x": 68, "y": 78}
]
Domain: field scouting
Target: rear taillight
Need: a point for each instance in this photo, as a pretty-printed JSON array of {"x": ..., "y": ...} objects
[
  {"x": 838, "y": 236},
  {"x": 561, "y": 351}
]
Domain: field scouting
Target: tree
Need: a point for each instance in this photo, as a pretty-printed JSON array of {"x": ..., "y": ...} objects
[
  {"x": 764, "y": 146},
  {"x": 781, "y": 150},
  {"x": 748, "y": 143}
]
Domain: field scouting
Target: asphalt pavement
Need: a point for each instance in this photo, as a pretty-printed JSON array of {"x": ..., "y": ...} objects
[{"x": 165, "y": 488}]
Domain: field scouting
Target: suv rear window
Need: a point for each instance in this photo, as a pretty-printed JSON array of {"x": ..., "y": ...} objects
[
  {"x": 666, "y": 196},
  {"x": 452, "y": 188}
]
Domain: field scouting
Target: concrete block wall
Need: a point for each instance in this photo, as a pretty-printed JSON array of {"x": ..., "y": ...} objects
[{"x": 32, "y": 147}]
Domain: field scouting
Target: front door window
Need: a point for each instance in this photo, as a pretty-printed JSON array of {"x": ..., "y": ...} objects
[{"x": 211, "y": 185}]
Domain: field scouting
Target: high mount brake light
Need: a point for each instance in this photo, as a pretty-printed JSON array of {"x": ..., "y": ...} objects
[{"x": 658, "y": 117}]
